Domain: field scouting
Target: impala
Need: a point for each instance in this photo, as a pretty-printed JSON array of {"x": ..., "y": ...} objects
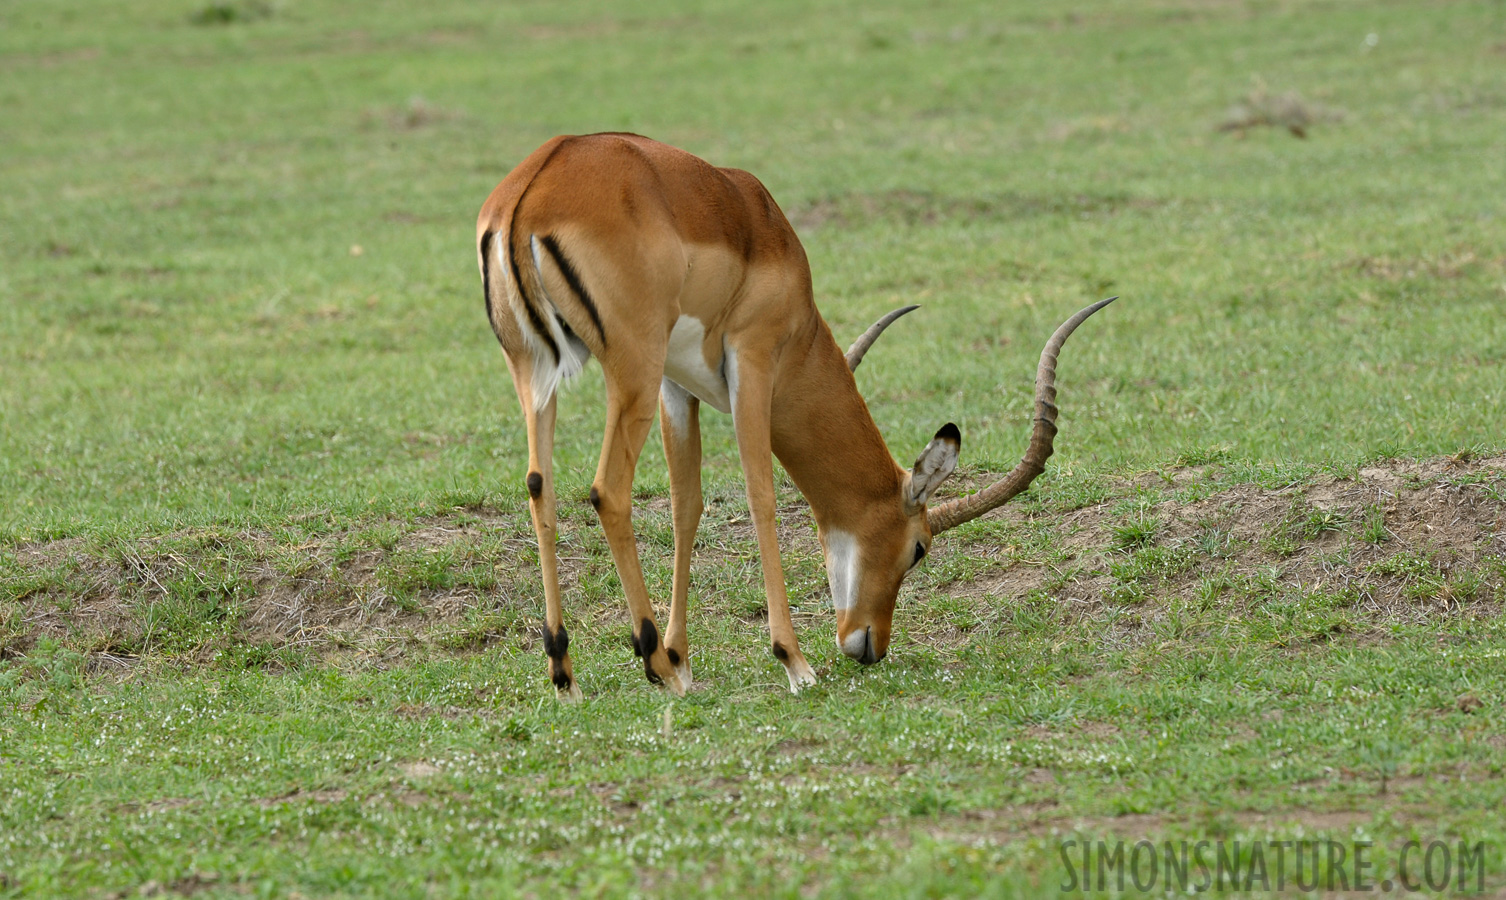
[{"x": 686, "y": 282}]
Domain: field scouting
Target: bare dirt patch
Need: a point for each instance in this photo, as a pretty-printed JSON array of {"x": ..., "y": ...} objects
[
  {"x": 323, "y": 795},
  {"x": 374, "y": 591},
  {"x": 1290, "y": 110},
  {"x": 1397, "y": 542}
]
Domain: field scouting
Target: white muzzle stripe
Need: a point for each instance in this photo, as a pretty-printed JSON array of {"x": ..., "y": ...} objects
[{"x": 842, "y": 569}]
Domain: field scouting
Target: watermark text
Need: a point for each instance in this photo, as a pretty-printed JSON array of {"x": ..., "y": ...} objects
[{"x": 1261, "y": 865}]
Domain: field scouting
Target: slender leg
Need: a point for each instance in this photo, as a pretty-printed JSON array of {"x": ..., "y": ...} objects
[
  {"x": 630, "y": 413},
  {"x": 752, "y": 393},
  {"x": 541, "y": 507},
  {"x": 680, "y": 426}
]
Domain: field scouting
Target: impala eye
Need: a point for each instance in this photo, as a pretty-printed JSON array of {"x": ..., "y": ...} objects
[{"x": 920, "y": 554}]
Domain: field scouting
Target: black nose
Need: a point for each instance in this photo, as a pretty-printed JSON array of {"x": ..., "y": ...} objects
[{"x": 869, "y": 657}]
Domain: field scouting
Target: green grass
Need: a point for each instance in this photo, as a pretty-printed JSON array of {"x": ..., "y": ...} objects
[{"x": 268, "y": 599}]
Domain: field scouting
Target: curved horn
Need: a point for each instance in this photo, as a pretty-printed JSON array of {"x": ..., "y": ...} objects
[
  {"x": 965, "y": 509},
  {"x": 865, "y": 340}
]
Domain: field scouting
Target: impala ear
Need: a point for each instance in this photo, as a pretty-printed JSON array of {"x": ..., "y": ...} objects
[{"x": 936, "y": 462}]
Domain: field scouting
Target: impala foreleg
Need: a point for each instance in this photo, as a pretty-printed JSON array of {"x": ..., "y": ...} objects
[
  {"x": 680, "y": 426},
  {"x": 751, "y": 399},
  {"x": 630, "y": 413}
]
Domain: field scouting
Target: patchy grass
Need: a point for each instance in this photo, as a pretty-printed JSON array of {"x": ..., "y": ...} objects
[
  {"x": 268, "y": 595},
  {"x": 1152, "y": 688},
  {"x": 448, "y": 581}
]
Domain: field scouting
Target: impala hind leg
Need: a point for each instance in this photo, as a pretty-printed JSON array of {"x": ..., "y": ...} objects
[
  {"x": 541, "y": 508},
  {"x": 752, "y": 394},
  {"x": 680, "y": 426},
  {"x": 630, "y": 413}
]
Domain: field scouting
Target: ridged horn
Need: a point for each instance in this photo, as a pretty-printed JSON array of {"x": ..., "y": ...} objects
[
  {"x": 865, "y": 340},
  {"x": 965, "y": 509}
]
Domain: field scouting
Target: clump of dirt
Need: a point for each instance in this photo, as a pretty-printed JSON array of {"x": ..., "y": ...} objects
[
  {"x": 1398, "y": 542},
  {"x": 421, "y": 583},
  {"x": 1263, "y": 109}
]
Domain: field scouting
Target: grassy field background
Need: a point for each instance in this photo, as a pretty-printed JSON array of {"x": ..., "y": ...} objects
[{"x": 268, "y": 599}]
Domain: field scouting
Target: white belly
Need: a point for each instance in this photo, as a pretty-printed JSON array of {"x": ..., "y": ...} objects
[{"x": 686, "y": 365}]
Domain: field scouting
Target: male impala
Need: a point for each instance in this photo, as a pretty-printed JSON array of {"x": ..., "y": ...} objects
[{"x": 688, "y": 284}]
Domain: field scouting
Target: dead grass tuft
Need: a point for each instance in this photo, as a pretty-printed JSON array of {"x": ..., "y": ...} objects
[
  {"x": 415, "y": 115},
  {"x": 1262, "y": 109}
]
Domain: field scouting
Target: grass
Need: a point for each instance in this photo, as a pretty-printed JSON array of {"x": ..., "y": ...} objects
[{"x": 268, "y": 595}]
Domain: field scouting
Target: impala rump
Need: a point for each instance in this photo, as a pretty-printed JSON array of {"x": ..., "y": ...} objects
[{"x": 533, "y": 328}]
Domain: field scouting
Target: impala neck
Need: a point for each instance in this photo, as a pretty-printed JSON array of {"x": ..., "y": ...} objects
[{"x": 825, "y": 437}]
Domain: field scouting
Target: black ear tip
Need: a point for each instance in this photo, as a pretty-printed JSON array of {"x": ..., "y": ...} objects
[{"x": 950, "y": 432}]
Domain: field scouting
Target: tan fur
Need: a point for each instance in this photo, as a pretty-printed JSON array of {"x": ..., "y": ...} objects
[{"x": 655, "y": 234}]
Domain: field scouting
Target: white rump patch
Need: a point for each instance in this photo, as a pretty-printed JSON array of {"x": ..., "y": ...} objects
[
  {"x": 842, "y": 569},
  {"x": 547, "y": 371},
  {"x": 685, "y": 364}
]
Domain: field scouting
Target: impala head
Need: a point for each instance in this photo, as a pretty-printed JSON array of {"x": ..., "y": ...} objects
[{"x": 867, "y": 564}]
